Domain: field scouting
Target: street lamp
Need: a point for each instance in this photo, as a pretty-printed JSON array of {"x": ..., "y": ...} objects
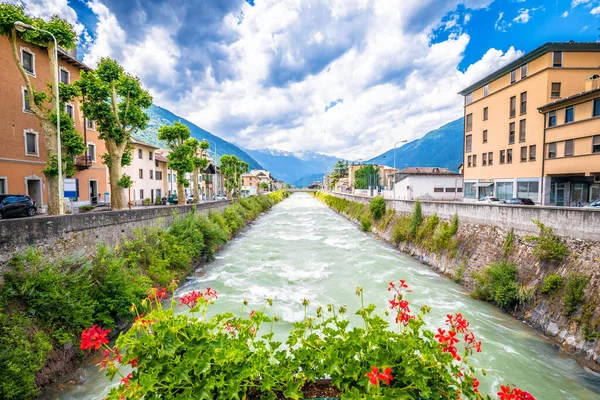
[
  {"x": 395, "y": 144},
  {"x": 22, "y": 27}
]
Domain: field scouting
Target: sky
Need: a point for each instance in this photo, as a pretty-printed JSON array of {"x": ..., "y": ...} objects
[{"x": 341, "y": 77}]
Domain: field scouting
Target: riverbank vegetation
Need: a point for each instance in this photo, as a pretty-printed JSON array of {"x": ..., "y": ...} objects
[
  {"x": 227, "y": 356},
  {"x": 45, "y": 304}
]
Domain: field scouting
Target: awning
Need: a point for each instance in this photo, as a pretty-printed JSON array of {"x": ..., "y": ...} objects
[{"x": 483, "y": 184}]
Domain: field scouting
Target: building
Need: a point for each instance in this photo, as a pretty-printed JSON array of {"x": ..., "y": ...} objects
[
  {"x": 505, "y": 150},
  {"x": 342, "y": 185},
  {"x": 386, "y": 177},
  {"x": 428, "y": 183},
  {"x": 22, "y": 153},
  {"x": 146, "y": 172},
  {"x": 251, "y": 181}
]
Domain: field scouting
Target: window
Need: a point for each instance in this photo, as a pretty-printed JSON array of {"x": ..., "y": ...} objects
[
  {"x": 532, "y": 151},
  {"x": 486, "y": 90},
  {"x": 557, "y": 59},
  {"x": 524, "y": 70},
  {"x": 513, "y": 106},
  {"x": 551, "y": 119},
  {"x": 469, "y": 190},
  {"x": 555, "y": 92},
  {"x": 3, "y": 186},
  {"x": 26, "y": 106},
  {"x": 596, "y": 108},
  {"x": 65, "y": 76},
  {"x": 151, "y": 176},
  {"x": 569, "y": 114},
  {"x": 569, "y": 147},
  {"x": 469, "y": 122},
  {"x": 513, "y": 76},
  {"x": 438, "y": 190},
  {"x": 523, "y": 103},
  {"x": 504, "y": 190},
  {"x": 524, "y": 154},
  {"x": 511, "y": 133},
  {"x": 158, "y": 175},
  {"x": 490, "y": 158},
  {"x": 90, "y": 124},
  {"x": 141, "y": 194},
  {"x": 502, "y": 156},
  {"x": 156, "y": 163},
  {"x": 552, "y": 150},
  {"x": 70, "y": 110},
  {"x": 91, "y": 151},
  {"x": 485, "y": 114},
  {"x": 169, "y": 178},
  {"x": 484, "y": 159},
  {"x": 522, "y": 130},
  {"x": 485, "y": 136},
  {"x": 474, "y": 160},
  {"x": 528, "y": 190},
  {"x": 28, "y": 61},
  {"x": 469, "y": 161},
  {"x": 150, "y": 155},
  {"x": 450, "y": 190},
  {"x": 469, "y": 143},
  {"x": 141, "y": 174},
  {"x": 596, "y": 144},
  {"x": 31, "y": 143},
  {"x": 140, "y": 156},
  {"x": 468, "y": 99},
  {"x": 509, "y": 156}
]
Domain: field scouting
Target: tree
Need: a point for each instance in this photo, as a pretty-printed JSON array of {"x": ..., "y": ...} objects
[
  {"x": 199, "y": 164},
  {"x": 232, "y": 169},
  {"x": 42, "y": 104},
  {"x": 264, "y": 186},
  {"x": 182, "y": 153},
  {"x": 340, "y": 170},
  {"x": 116, "y": 101},
  {"x": 366, "y": 176}
]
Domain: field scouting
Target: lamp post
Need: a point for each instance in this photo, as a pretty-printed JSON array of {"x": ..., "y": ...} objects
[
  {"x": 22, "y": 27},
  {"x": 395, "y": 144}
]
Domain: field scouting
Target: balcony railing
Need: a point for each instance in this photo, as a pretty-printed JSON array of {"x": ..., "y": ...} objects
[{"x": 83, "y": 162}]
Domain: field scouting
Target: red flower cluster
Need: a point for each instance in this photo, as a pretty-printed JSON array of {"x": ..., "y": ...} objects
[
  {"x": 142, "y": 320},
  {"x": 190, "y": 299},
  {"x": 125, "y": 381},
  {"x": 110, "y": 356},
  {"x": 94, "y": 337},
  {"x": 448, "y": 342},
  {"x": 158, "y": 293},
  {"x": 398, "y": 304},
  {"x": 457, "y": 324},
  {"x": 508, "y": 393},
  {"x": 375, "y": 376}
]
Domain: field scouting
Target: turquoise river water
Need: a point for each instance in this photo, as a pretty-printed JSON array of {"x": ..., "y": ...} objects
[{"x": 302, "y": 249}]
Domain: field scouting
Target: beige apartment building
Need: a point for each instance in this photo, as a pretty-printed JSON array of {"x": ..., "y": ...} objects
[
  {"x": 146, "y": 171},
  {"x": 506, "y": 123}
]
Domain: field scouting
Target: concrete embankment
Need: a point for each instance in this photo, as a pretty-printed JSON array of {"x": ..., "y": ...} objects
[{"x": 481, "y": 237}]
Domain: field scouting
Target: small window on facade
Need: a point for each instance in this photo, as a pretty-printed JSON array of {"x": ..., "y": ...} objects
[
  {"x": 552, "y": 150},
  {"x": 485, "y": 114},
  {"x": 70, "y": 110},
  {"x": 532, "y": 152},
  {"x": 450, "y": 190},
  {"x": 569, "y": 114},
  {"x": 513, "y": 106},
  {"x": 484, "y": 159},
  {"x": 151, "y": 176},
  {"x": 91, "y": 151},
  {"x": 150, "y": 155},
  {"x": 469, "y": 161},
  {"x": 158, "y": 175},
  {"x": 511, "y": 133},
  {"x": 469, "y": 143},
  {"x": 26, "y": 106},
  {"x": 513, "y": 76},
  {"x": 156, "y": 163},
  {"x": 569, "y": 147},
  {"x": 31, "y": 143},
  {"x": 141, "y": 194},
  {"x": 468, "y": 99},
  {"x": 509, "y": 156},
  {"x": 524, "y": 70},
  {"x": 596, "y": 108},
  {"x": 490, "y": 158},
  {"x": 596, "y": 144},
  {"x": 502, "y": 156},
  {"x": 469, "y": 123},
  {"x": 522, "y": 130},
  {"x": 64, "y": 76},
  {"x": 486, "y": 90},
  {"x": 523, "y": 103},
  {"x": 475, "y": 159},
  {"x": 551, "y": 119},
  {"x": 485, "y": 136},
  {"x": 557, "y": 59},
  {"x": 555, "y": 89},
  {"x": 3, "y": 185},
  {"x": 438, "y": 190},
  {"x": 141, "y": 174},
  {"x": 90, "y": 124},
  {"x": 140, "y": 154},
  {"x": 27, "y": 60},
  {"x": 523, "y": 153}
]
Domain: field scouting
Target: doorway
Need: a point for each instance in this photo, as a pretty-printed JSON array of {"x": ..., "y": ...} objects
[
  {"x": 93, "y": 192},
  {"x": 34, "y": 190}
]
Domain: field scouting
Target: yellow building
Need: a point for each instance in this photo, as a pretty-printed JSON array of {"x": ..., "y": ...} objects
[{"x": 504, "y": 132}]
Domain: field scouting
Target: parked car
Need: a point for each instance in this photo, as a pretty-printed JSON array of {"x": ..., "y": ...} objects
[
  {"x": 12, "y": 205},
  {"x": 189, "y": 199},
  {"x": 521, "y": 201},
  {"x": 594, "y": 204},
  {"x": 220, "y": 197},
  {"x": 491, "y": 200}
]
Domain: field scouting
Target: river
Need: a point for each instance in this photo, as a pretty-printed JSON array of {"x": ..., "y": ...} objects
[{"x": 302, "y": 249}]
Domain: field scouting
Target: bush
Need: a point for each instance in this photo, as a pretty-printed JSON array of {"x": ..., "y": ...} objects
[
  {"x": 377, "y": 207},
  {"x": 548, "y": 246},
  {"x": 157, "y": 201},
  {"x": 509, "y": 240},
  {"x": 552, "y": 283},
  {"x": 218, "y": 219},
  {"x": 498, "y": 283},
  {"x": 147, "y": 202},
  {"x": 83, "y": 209},
  {"x": 415, "y": 221},
  {"x": 365, "y": 223},
  {"x": 575, "y": 292},
  {"x": 427, "y": 229},
  {"x": 383, "y": 223},
  {"x": 400, "y": 230},
  {"x": 526, "y": 294}
]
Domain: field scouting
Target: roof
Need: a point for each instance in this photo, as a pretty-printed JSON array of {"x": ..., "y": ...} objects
[
  {"x": 160, "y": 158},
  {"x": 532, "y": 55},
  {"x": 72, "y": 60},
  {"x": 144, "y": 143},
  {"x": 426, "y": 171},
  {"x": 568, "y": 99}
]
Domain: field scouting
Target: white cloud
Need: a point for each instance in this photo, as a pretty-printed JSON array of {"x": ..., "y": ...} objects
[
  {"x": 48, "y": 8},
  {"x": 575, "y": 3},
  {"x": 501, "y": 25},
  {"x": 595, "y": 11},
  {"x": 523, "y": 16},
  {"x": 565, "y": 14}
]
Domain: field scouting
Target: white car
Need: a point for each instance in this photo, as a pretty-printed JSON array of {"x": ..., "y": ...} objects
[
  {"x": 220, "y": 197},
  {"x": 594, "y": 204},
  {"x": 491, "y": 200}
]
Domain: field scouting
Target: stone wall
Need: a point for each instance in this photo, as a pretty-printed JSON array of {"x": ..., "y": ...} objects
[
  {"x": 577, "y": 223},
  {"x": 61, "y": 235}
]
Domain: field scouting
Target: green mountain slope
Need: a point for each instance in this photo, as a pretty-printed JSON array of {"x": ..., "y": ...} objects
[{"x": 160, "y": 116}]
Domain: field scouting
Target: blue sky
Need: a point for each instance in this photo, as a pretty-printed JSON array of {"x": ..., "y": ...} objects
[{"x": 342, "y": 77}]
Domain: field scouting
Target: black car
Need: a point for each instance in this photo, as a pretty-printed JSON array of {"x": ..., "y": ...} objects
[
  {"x": 16, "y": 204},
  {"x": 521, "y": 201}
]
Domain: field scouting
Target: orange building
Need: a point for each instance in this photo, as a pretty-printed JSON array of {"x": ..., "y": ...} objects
[
  {"x": 22, "y": 153},
  {"x": 505, "y": 151}
]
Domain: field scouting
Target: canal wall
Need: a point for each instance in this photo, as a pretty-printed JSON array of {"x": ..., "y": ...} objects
[
  {"x": 57, "y": 236},
  {"x": 481, "y": 239}
]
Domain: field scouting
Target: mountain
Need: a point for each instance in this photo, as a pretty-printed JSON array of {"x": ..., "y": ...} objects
[
  {"x": 160, "y": 116},
  {"x": 291, "y": 166},
  {"x": 308, "y": 179},
  {"x": 442, "y": 147}
]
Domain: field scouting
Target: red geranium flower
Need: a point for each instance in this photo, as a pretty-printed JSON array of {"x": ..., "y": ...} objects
[
  {"x": 94, "y": 337},
  {"x": 373, "y": 376},
  {"x": 386, "y": 376},
  {"x": 125, "y": 381}
]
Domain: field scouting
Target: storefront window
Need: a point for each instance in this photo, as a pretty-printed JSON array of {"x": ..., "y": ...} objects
[
  {"x": 469, "y": 190},
  {"x": 504, "y": 190},
  {"x": 594, "y": 192},
  {"x": 528, "y": 190}
]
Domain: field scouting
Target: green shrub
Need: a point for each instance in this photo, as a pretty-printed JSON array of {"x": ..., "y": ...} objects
[
  {"x": 83, "y": 209},
  {"x": 427, "y": 229},
  {"x": 218, "y": 219},
  {"x": 526, "y": 294},
  {"x": 157, "y": 201},
  {"x": 498, "y": 283},
  {"x": 575, "y": 292},
  {"x": 234, "y": 220},
  {"x": 147, "y": 202},
  {"x": 384, "y": 222},
  {"x": 590, "y": 328},
  {"x": 509, "y": 241},
  {"x": 214, "y": 237},
  {"x": 552, "y": 283},
  {"x": 548, "y": 246},
  {"x": 460, "y": 272},
  {"x": 377, "y": 207},
  {"x": 415, "y": 221},
  {"x": 365, "y": 223},
  {"x": 185, "y": 229},
  {"x": 400, "y": 230}
]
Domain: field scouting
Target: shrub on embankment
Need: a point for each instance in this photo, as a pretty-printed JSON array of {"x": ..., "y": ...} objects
[{"x": 45, "y": 304}]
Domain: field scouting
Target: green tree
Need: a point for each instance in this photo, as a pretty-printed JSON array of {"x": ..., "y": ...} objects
[
  {"x": 232, "y": 169},
  {"x": 264, "y": 186},
  {"x": 182, "y": 153},
  {"x": 116, "y": 101},
  {"x": 340, "y": 170},
  {"x": 42, "y": 103},
  {"x": 366, "y": 176},
  {"x": 200, "y": 162}
]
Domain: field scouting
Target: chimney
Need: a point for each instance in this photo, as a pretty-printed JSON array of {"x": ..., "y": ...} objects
[{"x": 593, "y": 82}]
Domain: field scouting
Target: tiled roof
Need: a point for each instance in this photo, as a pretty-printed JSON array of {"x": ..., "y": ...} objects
[
  {"x": 425, "y": 171},
  {"x": 567, "y": 99}
]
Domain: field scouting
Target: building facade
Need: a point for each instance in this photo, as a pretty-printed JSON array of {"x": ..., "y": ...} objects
[
  {"x": 504, "y": 144},
  {"x": 427, "y": 183},
  {"x": 23, "y": 155},
  {"x": 146, "y": 172}
]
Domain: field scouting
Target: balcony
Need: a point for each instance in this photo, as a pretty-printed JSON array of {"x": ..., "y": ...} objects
[{"x": 83, "y": 162}]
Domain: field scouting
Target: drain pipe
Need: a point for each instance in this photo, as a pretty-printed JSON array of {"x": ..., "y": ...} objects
[{"x": 543, "y": 186}]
